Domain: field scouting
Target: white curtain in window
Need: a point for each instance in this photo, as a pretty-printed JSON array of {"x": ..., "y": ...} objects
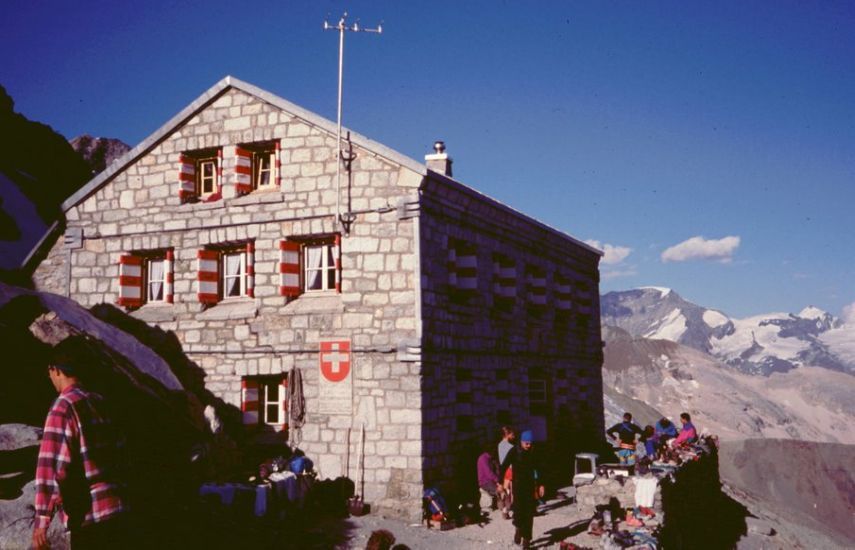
[
  {"x": 233, "y": 274},
  {"x": 155, "y": 280},
  {"x": 314, "y": 262}
]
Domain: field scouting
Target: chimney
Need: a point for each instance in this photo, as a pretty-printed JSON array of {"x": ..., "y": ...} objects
[{"x": 439, "y": 161}]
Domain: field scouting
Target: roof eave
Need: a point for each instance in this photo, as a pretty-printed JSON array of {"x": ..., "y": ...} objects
[{"x": 442, "y": 178}]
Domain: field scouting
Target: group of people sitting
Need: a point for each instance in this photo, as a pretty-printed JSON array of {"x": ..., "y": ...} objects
[
  {"x": 656, "y": 439},
  {"x": 510, "y": 476}
]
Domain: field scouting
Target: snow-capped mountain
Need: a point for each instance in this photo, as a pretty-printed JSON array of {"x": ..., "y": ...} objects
[{"x": 763, "y": 344}]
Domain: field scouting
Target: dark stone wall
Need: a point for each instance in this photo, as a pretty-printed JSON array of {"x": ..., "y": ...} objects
[{"x": 488, "y": 363}]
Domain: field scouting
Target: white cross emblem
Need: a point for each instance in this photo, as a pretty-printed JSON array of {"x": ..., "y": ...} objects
[{"x": 335, "y": 359}]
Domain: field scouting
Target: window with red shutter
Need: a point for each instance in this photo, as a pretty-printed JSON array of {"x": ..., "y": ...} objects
[
  {"x": 207, "y": 277},
  {"x": 289, "y": 268},
  {"x": 264, "y": 401},
  {"x": 130, "y": 281},
  {"x": 200, "y": 175}
]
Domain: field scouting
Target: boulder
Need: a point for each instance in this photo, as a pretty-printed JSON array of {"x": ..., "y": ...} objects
[
  {"x": 18, "y": 436},
  {"x": 16, "y": 523}
]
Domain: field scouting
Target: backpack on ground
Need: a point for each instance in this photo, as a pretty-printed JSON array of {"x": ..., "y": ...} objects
[{"x": 435, "y": 507}]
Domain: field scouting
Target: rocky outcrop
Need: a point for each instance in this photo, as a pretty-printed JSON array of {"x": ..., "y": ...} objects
[
  {"x": 99, "y": 152},
  {"x": 18, "y": 452}
]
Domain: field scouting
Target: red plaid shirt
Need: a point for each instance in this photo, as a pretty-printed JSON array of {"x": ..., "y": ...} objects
[{"x": 76, "y": 461}]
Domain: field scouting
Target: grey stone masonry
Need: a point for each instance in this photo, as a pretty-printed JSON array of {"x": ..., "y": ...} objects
[{"x": 437, "y": 361}]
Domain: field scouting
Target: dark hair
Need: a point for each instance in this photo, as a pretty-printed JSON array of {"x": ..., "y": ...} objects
[
  {"x": 627, "y": 416},
  {"x": 508, "y": 430},
  {"x": 380, "y": 539},
  {"x": 686, "y": 417},
  {"x": 648, "y": 431},
  {"x": 69, "y": 355},
  {"x": 665, "y": 422}
]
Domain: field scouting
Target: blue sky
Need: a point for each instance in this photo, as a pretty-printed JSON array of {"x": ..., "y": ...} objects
[{"x": 711, "y": 146}]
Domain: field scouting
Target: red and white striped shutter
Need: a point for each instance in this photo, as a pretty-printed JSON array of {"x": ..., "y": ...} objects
[
  {"x": 208, "y": 276},
  {"x": 585, "y": 297},
  {"x": 243, "y": 170},
  {"x": 220, "y": 172},
  {"x": 130, "y": 280},
  {"x": 505, "y": 280},
  {"x": 537, "y": 288},
  {"x": 452, "y": 267},
  {"x": 249, "y": 401},
  {"x": 563, "y": 293},
  {"x": 337, "y": 258},
  {"x": 169, "y": 267},
  {"x": 186, "y": 178},
  {"x": 467, "y": 269},
  {"x": 283, "y": 387},
  {"x": 289, "y": 268},
  {"x": 250, "y": 269},
  {"x": 277, "y": 164}
]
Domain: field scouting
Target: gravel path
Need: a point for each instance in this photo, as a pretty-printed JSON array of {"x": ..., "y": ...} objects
[{"x": 558, "y": 521}]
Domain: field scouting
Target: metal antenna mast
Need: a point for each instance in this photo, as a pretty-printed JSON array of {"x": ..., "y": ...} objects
[{"x": 341, "y": 27}]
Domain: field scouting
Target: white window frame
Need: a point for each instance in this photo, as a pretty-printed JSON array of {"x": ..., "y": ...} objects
[
  {"x": 265, "y": 385},
  {"x": 241, "y": 276},
  {"x": 202, "y": 179},
  {"x": 149, "y": 279},
  {"x": 257, "y": 171},
  {"x": 327, "y": 269}
]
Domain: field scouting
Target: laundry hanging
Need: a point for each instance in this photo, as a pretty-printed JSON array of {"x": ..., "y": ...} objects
[{"x": 297, "y": 404}]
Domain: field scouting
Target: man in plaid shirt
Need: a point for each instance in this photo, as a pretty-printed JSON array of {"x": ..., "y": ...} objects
[{"x": 77, "y": 462}]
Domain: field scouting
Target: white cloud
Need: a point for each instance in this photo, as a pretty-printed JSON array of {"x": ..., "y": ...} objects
[
  {"x": 699, "y": 248},
  {"x": 848, "y": 314},
  {"x": 613, "y": 254}
]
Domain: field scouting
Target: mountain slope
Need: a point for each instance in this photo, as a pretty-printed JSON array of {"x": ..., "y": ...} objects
[{"x": 807, "y": 403}]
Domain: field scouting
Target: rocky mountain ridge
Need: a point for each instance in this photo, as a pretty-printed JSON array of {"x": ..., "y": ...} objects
[
  {"x": 758, "y": 345},
  {"x": 99, "y": 152}
]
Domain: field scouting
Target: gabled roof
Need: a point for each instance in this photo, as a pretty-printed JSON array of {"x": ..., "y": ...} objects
[
  {"x": 230, "y": 82},
  {"x": 215, "y": 91}
]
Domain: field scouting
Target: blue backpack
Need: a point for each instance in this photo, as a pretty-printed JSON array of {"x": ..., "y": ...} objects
[
  {"x": 435, "y": 503},
  {"x": 300, "y": 465}
]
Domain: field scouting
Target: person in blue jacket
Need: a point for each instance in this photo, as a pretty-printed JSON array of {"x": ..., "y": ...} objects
[{"x": 663, "y": 431}]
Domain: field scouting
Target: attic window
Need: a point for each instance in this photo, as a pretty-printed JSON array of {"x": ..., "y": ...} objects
[
  {"x": 200, "y": 175},
  {"x": 256, "y": 166},
  {"x": 206, "y": 176}
]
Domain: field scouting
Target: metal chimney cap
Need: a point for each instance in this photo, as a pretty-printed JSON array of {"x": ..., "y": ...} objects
[{"x": 439, "y": 147}]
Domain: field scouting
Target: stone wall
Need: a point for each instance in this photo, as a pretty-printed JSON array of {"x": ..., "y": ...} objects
[
  {"x": 139, "y": 209},
  {"x": 484, "y": 361}
]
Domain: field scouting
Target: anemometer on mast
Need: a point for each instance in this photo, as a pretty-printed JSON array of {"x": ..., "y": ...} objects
[{"x": 346, "y": 219}]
